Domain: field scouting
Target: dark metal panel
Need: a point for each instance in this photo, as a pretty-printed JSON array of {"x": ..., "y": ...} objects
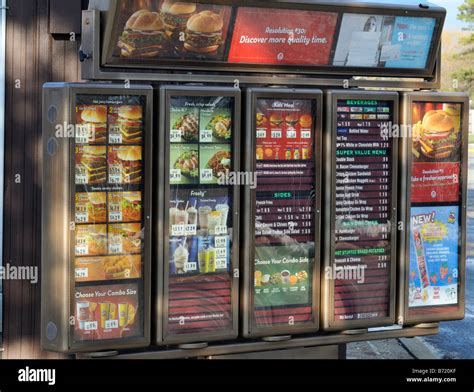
[{"x": 64, "y": 16}]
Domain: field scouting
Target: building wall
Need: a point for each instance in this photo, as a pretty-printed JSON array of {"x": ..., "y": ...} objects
[{"x": 34, "y": 56}]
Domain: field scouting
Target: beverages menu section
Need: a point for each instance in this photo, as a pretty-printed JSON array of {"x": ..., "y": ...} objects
[
  {"x": 170, "y": 32},
  {"x": 199, "y": 213},
  {"x": 109, "y": 230},
  {"x": 436, "y": 200},
  {"x": 362, "y": 263},
  {"x": 285, "y": 211}
]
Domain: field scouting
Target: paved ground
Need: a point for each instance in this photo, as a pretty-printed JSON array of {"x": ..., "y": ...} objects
[{"x": 456, "y": 338}]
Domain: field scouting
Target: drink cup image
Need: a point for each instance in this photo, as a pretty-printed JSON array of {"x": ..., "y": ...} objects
[
  {"x": 181, "y": 217},
  {"x": 203, "y": 213},
  {"x": 104, "y": 313},
  {"x": 173, "y": 212},
  {"x": 83, "y": 313},
  {"x": 285, "y": 277},
  {"x": 258, "y": 278},
  {"x": 212, "y": 259},
  {"x": 203, "y": 260},
  {"x": 131, "y": 314},
  {"x": 123, "y": 314},
  {"x": 192, "y": 215},
  {"x": 214, "y": 220},
  {"x": 224, "y": 210}
]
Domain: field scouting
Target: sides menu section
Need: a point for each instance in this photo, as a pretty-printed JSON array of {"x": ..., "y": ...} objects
[
  {"x": 109, "y": 204},
  {"x": 200, "y": 214},
  {"x": 284, "y": 251}
]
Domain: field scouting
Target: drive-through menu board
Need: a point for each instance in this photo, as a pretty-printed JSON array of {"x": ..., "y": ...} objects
[{"x": 360, "y": 199}]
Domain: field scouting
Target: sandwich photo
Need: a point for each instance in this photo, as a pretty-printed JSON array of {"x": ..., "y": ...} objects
[
  {"x": 204, "y": 33},
  {"x": 291, "y": 120},
  {"x": 125, "y": 238},
  {"x": 306, "y": 121},
  {"x": 276, "y": 120},
  {"x": 93, "y": 159},
  {"x": 94, "y": 123},
  {"x": 175, "y": 15},
  {"x": 129, "y": 122},
  {"x": 130, "y": 161},
  {"x": 261, "y": 119},
  {"x": 129, "y": 204},
  {"x": 143, "y": 35},
  {"x": 434, "y": 136},
  {"x": 92, "y": 205},
  {"x": 91, "y": 240}
]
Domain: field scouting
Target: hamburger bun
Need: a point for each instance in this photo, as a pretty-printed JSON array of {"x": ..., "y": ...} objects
[
  {"x": 130, "y": 112},
  {"x": 306, "y": 121},
  {"x": 94, "y": 114},
  {"x": 291, "y": 119},
  {"x": 130, "y": 154},
  {"x": 438, "y": 121},
  {"x": 276, "y": 119},
  {"x": 205, "y": 22},
  {"x": 178, "y": 7},
  {"x": 145, "y": 20},
  {"x": 207, "y": 49},
  {"x": 125, "y": 53}
]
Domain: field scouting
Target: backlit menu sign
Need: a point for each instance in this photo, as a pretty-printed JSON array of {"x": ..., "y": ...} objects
[
  {"x": 434, "y": 279},
  {"x": 286, "y": 210},
  {"x": 168, "y": 33},
  {"x": 361, "y": 263}
]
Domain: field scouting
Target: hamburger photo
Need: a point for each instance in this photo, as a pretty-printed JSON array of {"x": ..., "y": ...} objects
[
  {"x": 306, "y": 121},
  {"x": 94, "y": 161},
  {"x": 204, "y": 33},
  {"x": 130, "y": 160},
  {"x": 94, "y": 123},
  {"x": 435, "y": 136},
  {"x": 175, "y": 15},
  {"x": 128, "y": 235},
  {"x": 131, "y": 207},
  {"x": 97, "y": 207},
  {"x": 291, "y": 120},
  {"x": 91, "y": 240},
  {"x": 261, "y": 119},
  {"x": 129, "y": 122},
  {"x": 143, "y": 35},
  {"x": 276, "y": 120}
]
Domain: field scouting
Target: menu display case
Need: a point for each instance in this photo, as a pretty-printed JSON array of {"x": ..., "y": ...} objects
[
  {"x": 358, "y": 282},
  {"x": 274, "y": 36},
  {"x": 433, "y": 248},
  {"x": 96, "y": 217},
  {"x": 282, "y": 212},
  {"x": 201, "y": 128}
]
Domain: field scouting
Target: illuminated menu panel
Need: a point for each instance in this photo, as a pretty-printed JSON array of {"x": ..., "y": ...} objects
[
  {"x": 110, "y": 137},
  {"x": 363, "y": 197},
  {"x": 200, "y": 214},
  {"x": 285, "y": 211},
  {"x": 435, "y": 214}
]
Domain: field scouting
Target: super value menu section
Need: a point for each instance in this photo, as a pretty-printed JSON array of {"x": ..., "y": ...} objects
[
  {"x": 109, "y": 201},
  {"x": 362, "y": 262},
  {"x": 200, "y": 214},
  {"x": 285, "y": 208}
]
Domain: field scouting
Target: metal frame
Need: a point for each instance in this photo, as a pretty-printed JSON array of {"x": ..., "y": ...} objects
[
  {"x": 329, "y": 323},
  {"x": 324, "y": 6},
  {"x": 92, "y": 70},
  {"x": 250, "y": 328},
  {"x": 166, "y": 92},
  {"x": 250, "y": 347},
  {"x": 60, "y": 256},
  {"x": 406, "y": 162}
]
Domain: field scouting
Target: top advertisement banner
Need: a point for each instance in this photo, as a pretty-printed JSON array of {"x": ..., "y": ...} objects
[{"x": 169, "y": 33}]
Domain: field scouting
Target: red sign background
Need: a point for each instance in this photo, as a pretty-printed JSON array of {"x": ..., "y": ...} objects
[
  {"x": 282, "y": 36},
  {"x": 434, "y": 187}
]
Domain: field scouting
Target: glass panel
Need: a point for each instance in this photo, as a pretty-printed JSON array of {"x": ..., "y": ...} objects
[
  {"x": 201, "y": 133},
  {"x": 362, "y": 263},
  {"x": 284, "y": 222},
  {"x": 109, "y": 216},
  {"x": 434, "y": 229}
]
